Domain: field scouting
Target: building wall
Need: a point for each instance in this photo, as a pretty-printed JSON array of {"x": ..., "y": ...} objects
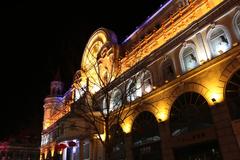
[{"x": 171, "y": 79}]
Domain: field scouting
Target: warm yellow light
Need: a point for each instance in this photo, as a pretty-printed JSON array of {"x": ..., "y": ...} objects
[
  {"x": 162, "y": 116},
  {"x": 126, "y": 127},
  {"x": 177, "y": 23},
  {"x": 52, "y": 152},
  {"x": 102, "y": 136},
  {"x": 45, "y": 154},
  {"x": 215, "y": 98},
  {"x": 95, "y": 88}
]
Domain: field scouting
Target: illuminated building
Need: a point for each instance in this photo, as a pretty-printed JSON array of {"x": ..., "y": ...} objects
[{"x": 188, "y": 63}]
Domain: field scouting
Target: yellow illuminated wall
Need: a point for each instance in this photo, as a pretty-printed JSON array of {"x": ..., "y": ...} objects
[{"x": 174, "y": 25}]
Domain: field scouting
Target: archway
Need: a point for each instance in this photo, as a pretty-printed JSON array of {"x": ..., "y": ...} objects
[
  {"x": 232, "y": 93},
  {"x": 117, "y": 143},
  {"x": 146, "y": 137},
  {"x": 191, "y": 114}
]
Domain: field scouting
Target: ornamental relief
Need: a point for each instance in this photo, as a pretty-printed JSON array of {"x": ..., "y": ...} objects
[
  {"x": 100, "y": 59},
  {"x": 105, "y": 62}
]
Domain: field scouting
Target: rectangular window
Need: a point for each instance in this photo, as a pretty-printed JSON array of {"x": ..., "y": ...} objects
[{"x": 189, "y": 62}]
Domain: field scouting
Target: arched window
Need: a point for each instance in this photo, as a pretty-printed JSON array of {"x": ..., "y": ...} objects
[
  {"x": 116, "y": 99},
  {"x": 218, "y": 40},
  {"x": 188, "y": 57},
  {"x": 233, "y": 95},
  {"x": 168, "y": 70},
  {"x": 147, "y": 82},
  {"x": 146, "y": 138},
  {"x": 189, "y": 112},
  {"x": 236, "y": 23},
  {"x": 131, "y": 90},
  {"x": 144, "y": 83}
]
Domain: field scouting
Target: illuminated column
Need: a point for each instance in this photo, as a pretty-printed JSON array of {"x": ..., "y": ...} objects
[
  {"x": 227, "y": 141},
  {"x": 47, "y": 114},
  {"x": 128, "y": 146},
  {"x": 167, "y": 153},
  {"x": 203, "y": 57},
  {"x": 64, "y": 154}
]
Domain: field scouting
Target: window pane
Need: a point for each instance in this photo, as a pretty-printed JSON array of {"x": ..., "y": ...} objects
[
  {"x": 116, "y": 100},
  {"x": 131, "y": 92},
  {"x": 238, "y": 22},
  {"x": 189, "y": 59},
  {"x": 219, "y": 42},
  {"x": 147, "y": 82},
  {"x": 147, "y": 85},
  {"x": 168, "y": 70}
]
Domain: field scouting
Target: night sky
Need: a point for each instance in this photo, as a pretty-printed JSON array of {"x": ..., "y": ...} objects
[{"x": 42, "y": 37}]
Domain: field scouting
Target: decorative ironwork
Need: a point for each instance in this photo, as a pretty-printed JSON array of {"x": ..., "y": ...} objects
[
  {"x": 146, "y": 138},
  {"x": 189, "y": 112}
]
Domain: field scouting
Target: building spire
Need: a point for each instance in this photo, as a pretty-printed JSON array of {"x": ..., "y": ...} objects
[
  {"x": 56, "y": 88},
  {"x": 57, "y": 76}
]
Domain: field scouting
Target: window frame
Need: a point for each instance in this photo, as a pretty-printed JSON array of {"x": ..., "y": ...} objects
[
  {"x": 130, "y": 94},
  {"x": 166, "y": 62},
  {"x": 209, "y": 33},
  {"x": 145, "y": 78},
  {"x": 113, "y": 96},
  {"x": 181, "y": 56},
  {"x": 235, "y": 25}
]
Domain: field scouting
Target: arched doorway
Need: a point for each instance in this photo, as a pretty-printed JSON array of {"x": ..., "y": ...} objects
[
  {"x": 233, "y": 95},
  {"x": 117, "y": 143},
  {"x": 190, "y": 119},
  {"x": 146, "y": 137}
]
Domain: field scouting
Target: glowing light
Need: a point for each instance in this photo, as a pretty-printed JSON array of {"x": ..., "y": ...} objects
[
  {"x": 45, "y": 154},
  {"x": 215, "y": 98},
  {"x": 77, "y": 94},
  {"x": 160, "y": 37},
  {"x": 102, "y": 136},
  {"x": 74, "y": 149},
  {"x": 148, "y": 89},
  {"x": 126, "y": 127},
  {"x": 162, "y": 116},
  {"x": 52, "y": 152}
]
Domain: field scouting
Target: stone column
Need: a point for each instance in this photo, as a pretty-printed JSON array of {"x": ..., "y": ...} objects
[
  {"x": 167, "y": 152},
  {"x": 227, "y": 141},
  {"x": 128, "y": 146}
]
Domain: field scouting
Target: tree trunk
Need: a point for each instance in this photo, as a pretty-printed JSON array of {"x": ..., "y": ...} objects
[
  {"x": 107, "y": 142},
  {"x": 107, "y": 152}
]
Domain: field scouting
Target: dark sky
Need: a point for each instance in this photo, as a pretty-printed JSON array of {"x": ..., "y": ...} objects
[{"x": 40, "y": 37}]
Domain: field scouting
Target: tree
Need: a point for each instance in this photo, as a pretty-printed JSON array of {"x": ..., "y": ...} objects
[{"x": 105, "y": 96}]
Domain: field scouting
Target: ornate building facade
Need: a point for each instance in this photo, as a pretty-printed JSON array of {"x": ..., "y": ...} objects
[{"x": 181, "y": 69}]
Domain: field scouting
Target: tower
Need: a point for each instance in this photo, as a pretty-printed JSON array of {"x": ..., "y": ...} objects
[{"x": 53, "y": 101}]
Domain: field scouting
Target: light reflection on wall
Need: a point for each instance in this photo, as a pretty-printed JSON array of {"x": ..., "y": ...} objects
[{"x": 177, "y": 23}]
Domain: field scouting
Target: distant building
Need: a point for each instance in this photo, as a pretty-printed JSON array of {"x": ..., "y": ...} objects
[
  {"x": 187, "y": 58},
  {"x": 20, "y": 147}
]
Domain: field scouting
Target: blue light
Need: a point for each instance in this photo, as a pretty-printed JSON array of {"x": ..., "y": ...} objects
[{"x": 148, "y": 19}]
